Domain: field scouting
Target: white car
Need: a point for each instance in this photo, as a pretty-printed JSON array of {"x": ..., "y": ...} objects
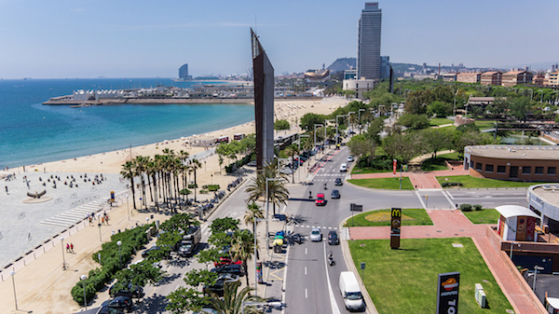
[
  {"x": 316, "y": 235},
  {"x": 343, "y": 167},
  {"x": 349, "y": 158}
]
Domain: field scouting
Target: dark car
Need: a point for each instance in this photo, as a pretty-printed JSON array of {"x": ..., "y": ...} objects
[
  {"x": 234, "y": 269},
  {"x": 131, "y": 292},
  {"x": 335, "y": 194},
  {"x": 121, "y": 303},
  {"x": 333, "y": 238},
  {"x": 219, "y": 286},
  {"x": 338, "y": 182},
  {"x": 105, "y": 309}
]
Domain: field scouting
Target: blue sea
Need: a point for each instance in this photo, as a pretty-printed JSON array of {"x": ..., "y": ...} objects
[{"x": 31, "y": 132}]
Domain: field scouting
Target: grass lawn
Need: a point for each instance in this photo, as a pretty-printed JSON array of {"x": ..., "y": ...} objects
[
  {"x": 405, "y": 280},
  {"x": 360, "y": 170},
  {"x": 483, "y": 125},
  {"x": 438, "y": 163},
  {"x": 440, "y": 121},
  {"x": 471, "y": 182},
  {"x": 381, "y": 218},
  {"x": 484, "y": 216},
  {"x": 384, "y": 183}
]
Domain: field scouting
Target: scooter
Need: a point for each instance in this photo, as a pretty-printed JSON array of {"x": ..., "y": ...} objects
[
  {"x": 325, "y": 186},
  {"x": 310, "y": 195},
  {"x": 297, "y": 238},
  {"x": 331, "y": 261}
]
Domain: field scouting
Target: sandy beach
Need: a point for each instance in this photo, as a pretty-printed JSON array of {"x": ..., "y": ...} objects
[{"x": 40, "y": 280}]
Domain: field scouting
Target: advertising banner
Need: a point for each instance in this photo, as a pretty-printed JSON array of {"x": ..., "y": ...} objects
[
  {"x": 447, "y": 293},
  {"x": 394, "y": 165},
  {"x": 395, "y": 223}
]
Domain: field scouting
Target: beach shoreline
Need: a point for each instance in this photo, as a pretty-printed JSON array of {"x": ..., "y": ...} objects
[{"x": 112, "y": 161}]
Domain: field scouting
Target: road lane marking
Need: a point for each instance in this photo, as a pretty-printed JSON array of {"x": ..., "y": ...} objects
[
  {"x": 305, "y": 270},
  {"x": 305, "y": 251},
  {"x": 335, "y": 309},
  {"x": 450, "y": 195},
  {"x": 448, "y": 199},
  {"x": 420, "y": 199},
  {"x": 306, "y": 294}
]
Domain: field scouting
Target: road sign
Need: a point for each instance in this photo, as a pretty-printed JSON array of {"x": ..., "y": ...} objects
[
  {"x": 447, "y": 293},
  {"x": 362, "y": 265},
  {"x": 355, "y": 208}
]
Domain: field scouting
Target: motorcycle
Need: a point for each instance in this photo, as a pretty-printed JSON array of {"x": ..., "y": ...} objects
[
  {"x": 331, "y": 261},
  {"x": 310, "y": 195},
  {"x": 297, "y": 238},
  {"x": 325, "y": 186}
]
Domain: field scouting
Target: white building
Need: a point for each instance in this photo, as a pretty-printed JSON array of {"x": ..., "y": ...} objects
[{"x": 359, "y": 86}]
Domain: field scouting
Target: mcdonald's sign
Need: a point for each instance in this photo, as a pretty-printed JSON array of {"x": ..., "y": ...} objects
[{"x": 395, "y": 224}]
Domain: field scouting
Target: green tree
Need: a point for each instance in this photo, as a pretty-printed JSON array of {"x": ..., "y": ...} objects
[
  {"x": 400, "y": 146},
  {"x": 129, "y": 172},
  {"x": 138, "y": 275},
  {"x": 190, "y": 298},
  {"x": 519, "y": 108},
  {"x": 440, "y": 109},
  {"x": 281, "y": 124},
  {"x": 310, "y": 119},
  {"x": 220, "y": 225},
  {"x": 434, "y": 140},
  {"x": 374, "y": 130},
  {"x": 414, "y": 121},
  {"x": 277, "y": 193},
  {"x": 291, "y": 151},
  {"x": 360, "y": 146}
]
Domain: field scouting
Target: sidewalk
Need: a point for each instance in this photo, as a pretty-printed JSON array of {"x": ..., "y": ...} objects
[{"x": 452, "y": 223}]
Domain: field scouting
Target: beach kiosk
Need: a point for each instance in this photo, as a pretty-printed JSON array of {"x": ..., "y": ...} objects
[{"x": 517, "y": 223}]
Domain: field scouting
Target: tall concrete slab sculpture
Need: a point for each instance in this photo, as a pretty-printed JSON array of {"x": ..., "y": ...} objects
[{"x": 263, "y": 102}]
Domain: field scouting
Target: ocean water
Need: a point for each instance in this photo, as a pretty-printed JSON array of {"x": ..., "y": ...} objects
[{"x": 31, "y": 132}]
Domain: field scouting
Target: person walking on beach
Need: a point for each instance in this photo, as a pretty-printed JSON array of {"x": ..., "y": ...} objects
[
  {"x": 107, "y": 219},
  {"x": 67, "y": 248},
  {"x": 102, "y": 219},
  {"x": 72, "y": 247}
]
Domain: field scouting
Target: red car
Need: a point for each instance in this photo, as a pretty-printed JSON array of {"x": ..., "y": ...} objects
[
  {"x": 226, "y": 261},
  {"x": 320, "y": 201}
]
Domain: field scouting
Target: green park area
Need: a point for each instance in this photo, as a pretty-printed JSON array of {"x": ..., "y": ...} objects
[
  {"x": 383, "y": 183},
  {"x": 471, "y": 182},
  {"x": 434, "y": 164},
  {"x": 440, "y": 121},
  {"x": 486, "y": 124},
  {"x": 405, "y": 280},
  {"x": 381, "y": 218},
  {"x": 484, "y": 216}
]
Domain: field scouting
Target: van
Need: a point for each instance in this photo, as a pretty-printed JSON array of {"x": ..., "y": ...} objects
[
  {"x": 343, "y": 167},
  {"x": 349, "y": 288}
]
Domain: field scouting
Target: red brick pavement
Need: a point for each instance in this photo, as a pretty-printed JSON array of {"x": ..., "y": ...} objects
[{"x": 452, "y": 223}]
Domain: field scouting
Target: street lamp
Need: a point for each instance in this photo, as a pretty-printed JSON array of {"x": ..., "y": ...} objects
[
  {"x": 315, "y": 136},
  {"x": 12, "y": 273},
  {"x": 83, "y": 278},
  {"x": 63, "y": 258},
  {"x": 100, "y": 239},
  {"x": 541, "y": 93},
  {"x": 337, "y": 135},
  {"x": 359, "y": 114},
  {"x": 454, "y": 110},
  {"x": 119, "y": 243},
  {"x": 536, "y": 268},
  {"x": 128, "y": 206},
  {"x": 255, "y": 261},
  {"x": 267, "y": 213},
  {"x": 299, "y": 166}
]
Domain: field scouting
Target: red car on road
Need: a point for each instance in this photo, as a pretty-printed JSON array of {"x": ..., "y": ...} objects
[
  {"x": 320, "y": 201},
  {"x": 226, "y": 261}
]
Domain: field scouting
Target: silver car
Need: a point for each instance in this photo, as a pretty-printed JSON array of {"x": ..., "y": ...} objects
[{"x": 316, "y": 235}]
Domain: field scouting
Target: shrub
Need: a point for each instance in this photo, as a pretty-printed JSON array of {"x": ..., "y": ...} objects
[
  {"x": 478, "y": 207},
  {"x": 193, "y": 186},
  {"x": 213, "y": 187},
  {"x": 465, "y": 207},
  {"x": 447, "y": 184},
  {"x": 203, "y": 191}
]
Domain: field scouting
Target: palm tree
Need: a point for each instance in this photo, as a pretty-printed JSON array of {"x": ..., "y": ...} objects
[
  {"x": 242, "y": 246},
  {"x": 195, "y": 164},
  {"x": 277, "y": 193},
  {"x": 253, "y": 212},
  {"x": 129, "y": 172},
  {"x": 141, "y": 169},
  {"x": 232, "y": 301},
  {"x": 291, "y": 151}
]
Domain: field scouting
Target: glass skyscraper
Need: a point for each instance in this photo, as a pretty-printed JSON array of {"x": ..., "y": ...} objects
[{"x": 368, "y": 42}]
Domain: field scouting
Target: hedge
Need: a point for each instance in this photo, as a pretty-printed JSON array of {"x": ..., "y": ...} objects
[
  {"x": 132, "y": 240},
  {"x": 447, "y": 184}
]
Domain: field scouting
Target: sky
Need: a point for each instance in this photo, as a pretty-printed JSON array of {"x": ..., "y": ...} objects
[{"x": 93, "y": 38}]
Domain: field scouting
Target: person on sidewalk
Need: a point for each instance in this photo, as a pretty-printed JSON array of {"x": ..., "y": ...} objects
[
  {"x": 67, "y": 248},
  {"x": 72, "y": 247}
]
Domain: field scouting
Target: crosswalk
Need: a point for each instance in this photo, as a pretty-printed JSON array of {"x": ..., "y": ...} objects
[
  {"x": 310, "y": 227},
  {"x": 75, "y": 215}
]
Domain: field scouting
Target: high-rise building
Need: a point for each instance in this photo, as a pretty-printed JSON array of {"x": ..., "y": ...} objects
[
  {"x": 183, "y": 72},
  {"x": 368, "y": 42}
]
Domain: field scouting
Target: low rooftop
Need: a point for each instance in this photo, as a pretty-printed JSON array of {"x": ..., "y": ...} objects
[
  {"x": 515, "y": 152},
  {"x": 547, "y": 192}
]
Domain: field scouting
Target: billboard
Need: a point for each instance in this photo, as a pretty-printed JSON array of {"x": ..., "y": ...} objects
[
  {"x": 395, "y": 223},
  {"x": 447, "y": 293}
]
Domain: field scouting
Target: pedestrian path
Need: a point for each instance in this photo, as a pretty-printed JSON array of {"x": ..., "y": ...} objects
[
  {"x": 75, "y": 215},
  {"x": 450, "y": 224}
]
